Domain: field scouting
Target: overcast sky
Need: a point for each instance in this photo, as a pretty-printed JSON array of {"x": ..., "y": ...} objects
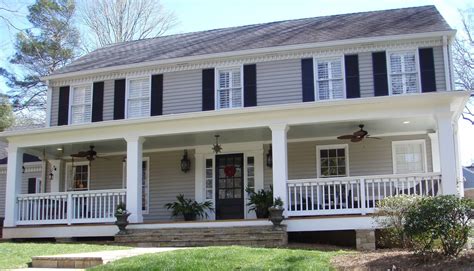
[{"x": 195, "y": 15}]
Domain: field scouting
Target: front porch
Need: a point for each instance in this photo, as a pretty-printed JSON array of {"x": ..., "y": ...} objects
[{"x": 315, "y": 174}]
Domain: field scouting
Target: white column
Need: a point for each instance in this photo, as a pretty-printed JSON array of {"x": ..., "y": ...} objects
[
  {"x": 280, "y": 161},
  {"x": 447, "y": 153},
  {"x": 199, "y": 177},
  {"x": 13, "y": 186},
  {"x": 134, "y": 178},
  {"x": 435, "y": 151},
  {"x": 55, "y": 168}
]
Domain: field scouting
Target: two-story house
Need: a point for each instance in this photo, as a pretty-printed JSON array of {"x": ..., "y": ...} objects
[{"x": 285, "y": 101}]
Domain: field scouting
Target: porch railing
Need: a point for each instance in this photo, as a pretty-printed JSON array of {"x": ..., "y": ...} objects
[
  {"x": 95, "y": 206},
  {"x": 355, "y": 195}
]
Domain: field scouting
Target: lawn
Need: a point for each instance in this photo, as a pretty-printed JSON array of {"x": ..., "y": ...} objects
[
  {"x": 15, "y": 255},
  {"x": 228, "y": 258}
]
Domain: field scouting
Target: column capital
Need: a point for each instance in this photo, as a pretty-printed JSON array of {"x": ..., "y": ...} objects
[
  {"x": 134, "y": 138},
  {"x": 279, "y": 127}
]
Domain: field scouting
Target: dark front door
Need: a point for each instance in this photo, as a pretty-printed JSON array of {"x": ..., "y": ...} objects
[{"x": 229, "y": 186}]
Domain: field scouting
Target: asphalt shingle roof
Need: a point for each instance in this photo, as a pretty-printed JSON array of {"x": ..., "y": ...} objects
[{"x": 291, "y": 32}]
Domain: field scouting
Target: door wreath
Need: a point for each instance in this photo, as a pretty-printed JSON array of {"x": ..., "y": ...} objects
[{"x": 229, "y": 171}]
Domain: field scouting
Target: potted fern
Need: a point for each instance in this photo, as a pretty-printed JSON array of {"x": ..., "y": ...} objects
[
  {"x": 276, "y": 212},
  {"x": 260, "y": 201},
  {"x": 121, "y": 214},
  {"x": 188, "y": 208}
]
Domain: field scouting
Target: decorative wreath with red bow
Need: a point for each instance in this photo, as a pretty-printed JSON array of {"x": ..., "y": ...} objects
[{"x": 229, "y": 171}]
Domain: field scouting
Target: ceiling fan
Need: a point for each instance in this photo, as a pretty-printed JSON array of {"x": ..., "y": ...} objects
[
  {"x": 358, "y": 136},
  {"x": 90, "y": 154}
]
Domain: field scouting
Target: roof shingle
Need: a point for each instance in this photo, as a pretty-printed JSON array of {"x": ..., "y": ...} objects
[{"x": 291, "y": 32}]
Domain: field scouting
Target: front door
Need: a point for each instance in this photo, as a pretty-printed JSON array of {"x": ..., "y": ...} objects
[{"x": 229, "y": 186}]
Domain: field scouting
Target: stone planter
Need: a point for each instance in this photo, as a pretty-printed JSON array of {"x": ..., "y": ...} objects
[
  {"x": 276, "y": 215},
  {"x": 122, "y": 222}
]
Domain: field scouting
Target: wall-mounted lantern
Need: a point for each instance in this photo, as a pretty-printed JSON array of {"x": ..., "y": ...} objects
[
  {"x": 270, "y": 157},
  {"x": 185, "y": 162}
]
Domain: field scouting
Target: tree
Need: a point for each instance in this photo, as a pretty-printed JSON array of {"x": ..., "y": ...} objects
[
  {"x": 463, "y": 56},
  {"x": 50, "y": 44},
  {"x": 6, "y": 113},
  {"x": 112, "y": 21}
]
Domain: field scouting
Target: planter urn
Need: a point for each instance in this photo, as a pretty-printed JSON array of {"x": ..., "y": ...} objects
[
  {"x": 122, "y": 222},
  {"x": 276, "y": 215}
]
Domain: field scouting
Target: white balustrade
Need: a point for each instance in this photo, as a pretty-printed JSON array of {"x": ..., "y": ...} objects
[
  {"x": 354, "y": 195},
  {"x": 95, "y": 206}
]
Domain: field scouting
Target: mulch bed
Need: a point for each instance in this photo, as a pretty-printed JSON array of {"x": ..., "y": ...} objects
[{"x": 385, "y": 259}]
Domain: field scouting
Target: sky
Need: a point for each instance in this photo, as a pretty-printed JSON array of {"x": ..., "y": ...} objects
[{"x": 196, "y": 15}]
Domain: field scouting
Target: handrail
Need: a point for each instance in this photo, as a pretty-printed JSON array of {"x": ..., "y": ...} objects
[
  {"x": 354, "y": 178},
  {"x": 73, "y": 193}
]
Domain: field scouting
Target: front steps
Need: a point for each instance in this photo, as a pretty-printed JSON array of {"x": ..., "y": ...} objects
[{"x": 259, "y": 236}]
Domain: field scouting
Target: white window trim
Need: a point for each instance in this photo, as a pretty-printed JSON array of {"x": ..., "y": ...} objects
[
  {"x": 68, "y": 168},
  {"x": 404, "y": 142},
  {"x": 315, "y": 75},
  {"x": 71, "y": 97},
  {"x": 124, "y": 181},
  {"x": 216, "y": 84},
  {"x": 389, "y": 70},
  {"x": 127, "y": 88},
  {"x": 332, "y": 146}
]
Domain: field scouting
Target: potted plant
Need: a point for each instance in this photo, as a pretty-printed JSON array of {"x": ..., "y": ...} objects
[
  {"x": 121, "y": 214},
  {"x": 276, "y": 212},
  {"x": 190, "y": 209},
  {"x": 260, "y": 201}
]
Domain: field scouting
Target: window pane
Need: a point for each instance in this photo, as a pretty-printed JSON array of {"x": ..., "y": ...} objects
[
  {"x": 236, "y": 78},
  {"x": 336, "y": 68},
  {"x": 333, "y": 162},
  {"x": 397, "y": 84},
  {"x": 237, "y": 97},
  {"x": 395, "y": 63},
  {"x": 323, "y": 90},
  {"x": 411, "y": 83},
  {"x": 409, "y": 60},
  {"x": 224, "y": 79},
  {"x": 337, "y": 89},
  {"x": 323, "y": 70},
  {"x": 409, "y": 158},
  {"x": 224, "y": 98}
]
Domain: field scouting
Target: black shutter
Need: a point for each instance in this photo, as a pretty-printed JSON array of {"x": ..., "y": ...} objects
[
  {"x": 63, "y": 108},
  {"x": 208, "y": 89},
  {"x": 31, "y": 185},
  {"x": 351, "y": 63},
  {"x": 97, "y": 101},
  {"x": 379, "y": 66},
  {"x": 307, "y": 78},
  {"x": 119, "y": 99},
  {"x": 157, "y": 94},
  {"x": 427, "y": 70},
  {"x": 250, "y": 85}
]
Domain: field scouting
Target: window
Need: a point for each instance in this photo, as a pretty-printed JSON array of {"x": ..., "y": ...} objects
[
  {"x": 403, "y": 72},
  {"x": 229, "y": 88},
  {"x": 78, "y": 176},
  {"x": 251, "y": 173},
  {"x": 329, "y": 78},
  {"x": 409, "y": 156},
  {"x": 332, "y": 160},
  {"x": 81, "y": 104},
  {"x": 209, "y": 179},
  {"x": 145, "y": 183},
  {"x": 138, "y": 99}
]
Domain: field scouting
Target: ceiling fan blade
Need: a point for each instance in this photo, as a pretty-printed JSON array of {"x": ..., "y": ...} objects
[
  {"x": 373, "y": 137},
  {"x": 360, "y": 133},
  {"x": 345, "y": 137},
  {"x": 356, "y": 139}
]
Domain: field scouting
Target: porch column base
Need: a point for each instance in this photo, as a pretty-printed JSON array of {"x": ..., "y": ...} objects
[{"x": 365, "y": 239}]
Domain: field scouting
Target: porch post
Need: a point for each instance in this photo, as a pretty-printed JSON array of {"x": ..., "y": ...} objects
[
  {"x": 447, "y": 153},
  {"x": 13, "y": 185},
  {"x": 280, "y": 161},
  {"x": 55, "y": 168},
  {"x": 134, "y": 178}
]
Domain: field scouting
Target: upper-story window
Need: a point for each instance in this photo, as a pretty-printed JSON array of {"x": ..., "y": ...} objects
[
  {"x": 138, "y": 97},
  {"x": 403, "y": 72},
  {"x": 329, "y": 75},
  {"x": 229, "y": 92},
  {"x": 81, "y": 104}
]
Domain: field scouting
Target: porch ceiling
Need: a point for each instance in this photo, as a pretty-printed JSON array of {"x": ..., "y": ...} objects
[{"x": 381, "y": 127}]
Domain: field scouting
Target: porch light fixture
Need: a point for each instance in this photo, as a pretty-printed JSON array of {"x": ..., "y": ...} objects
[
  {"x": 216, "y": 147},
  {"x": 270, "y": 157},
  {"x": 185, "y": 162},
  {"x": 406, "y": 122}
]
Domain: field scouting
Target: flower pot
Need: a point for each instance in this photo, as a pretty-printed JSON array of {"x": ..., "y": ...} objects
[
  {"x": 276, "y": 215},
  {"x": 189, "y": 217},
  {"x": 122, "y": 222},
  {"x": 261, "y": 213}
]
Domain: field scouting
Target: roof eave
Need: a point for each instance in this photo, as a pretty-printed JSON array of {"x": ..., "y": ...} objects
[{"x": 449, "y": 33}]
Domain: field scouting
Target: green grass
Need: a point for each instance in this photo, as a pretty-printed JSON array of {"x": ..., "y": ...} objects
[
  {"x": 16, "y": 255},
  {"x": 227, "y": 258}
]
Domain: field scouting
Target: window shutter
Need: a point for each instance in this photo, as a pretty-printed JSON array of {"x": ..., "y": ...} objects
[
  {"x": 63, "y": 108},
  {"x": 307, "y": 77},
  {"x": 208, "y": 90},
  {"x": 31, "y": 185},
  {"x": 379, "y": 66},
  {"x": 97, "y": 101},
  {"x": 119, "y": 99},
  {"x": 156, "y": 95},
  {"x": 427, "y": 70},
  {"x": 250, "y": 85},
  {"x": 351, "y": 63}
]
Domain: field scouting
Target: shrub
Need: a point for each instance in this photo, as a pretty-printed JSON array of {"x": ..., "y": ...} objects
[
  {"x": 391, "y": 215},
  {"x": 439, "y": 222}
]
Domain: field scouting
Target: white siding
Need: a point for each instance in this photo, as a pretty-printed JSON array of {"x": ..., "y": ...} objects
[
  {"x": 54, "y": 106},
  {"x": 279, "y": 82},
  {"x": 439, "y": 68},
  {"x": 182, "y": 92},
  {"x": 366, "y": 75},
  {"x": 108, "y": 112}
]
